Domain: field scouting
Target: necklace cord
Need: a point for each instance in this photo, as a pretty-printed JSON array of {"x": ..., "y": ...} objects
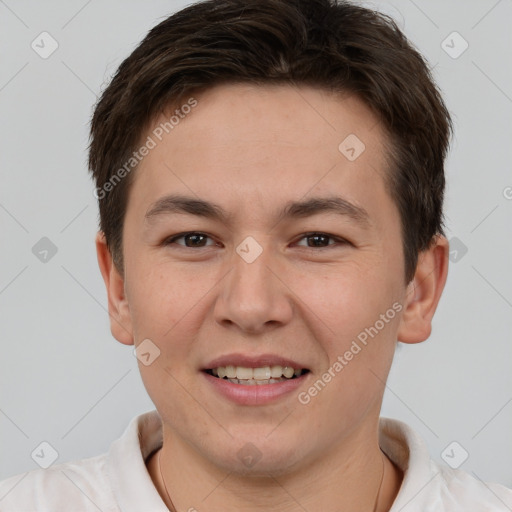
[
  {"x": 382, "y": 454},
  {"x": 163, "y": 481},
  {"x": 174, "y": 508}
]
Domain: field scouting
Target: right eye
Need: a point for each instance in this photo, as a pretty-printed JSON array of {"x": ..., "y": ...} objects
[{"x": 192, "y": 239}]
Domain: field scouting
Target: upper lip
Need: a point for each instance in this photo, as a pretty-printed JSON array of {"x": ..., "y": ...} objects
[{"x": 253, "y": 361}]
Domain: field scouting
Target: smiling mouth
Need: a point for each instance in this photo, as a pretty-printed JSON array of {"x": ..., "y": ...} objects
[{"x": 256, "y": 376}]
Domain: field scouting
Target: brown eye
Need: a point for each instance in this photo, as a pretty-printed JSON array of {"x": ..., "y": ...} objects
[
  {"x": 321, "y": 240},
  {"x": 191, "y": 239}
]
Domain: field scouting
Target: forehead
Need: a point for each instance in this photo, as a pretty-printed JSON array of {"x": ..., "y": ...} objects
[
  {"x": 243, "y": 145},
  {"x": 235, "y": 114}
]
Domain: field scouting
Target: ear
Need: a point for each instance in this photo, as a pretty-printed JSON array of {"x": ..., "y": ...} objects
[
  {"x": 423, "y": 292},
  {"x": 118, "y": 309}
]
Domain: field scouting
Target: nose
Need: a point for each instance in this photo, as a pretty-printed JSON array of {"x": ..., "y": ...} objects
[{"x": 252, "y": 296}]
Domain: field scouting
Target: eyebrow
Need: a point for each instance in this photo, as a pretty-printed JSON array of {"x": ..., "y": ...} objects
[{"x": 294, "y": 209}]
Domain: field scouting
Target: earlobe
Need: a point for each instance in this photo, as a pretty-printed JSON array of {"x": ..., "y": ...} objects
[
  {"x": 119, "y": 312},
  {"x": 424, "y": 292}
]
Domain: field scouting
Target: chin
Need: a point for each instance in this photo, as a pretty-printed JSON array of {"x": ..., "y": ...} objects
[{"x": 260, "y": 457}]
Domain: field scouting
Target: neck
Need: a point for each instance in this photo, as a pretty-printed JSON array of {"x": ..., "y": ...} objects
[{"x": 325, "y": 484}]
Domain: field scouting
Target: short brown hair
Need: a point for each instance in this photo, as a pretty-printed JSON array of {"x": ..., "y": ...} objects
[{"x": 328, "y": 44}]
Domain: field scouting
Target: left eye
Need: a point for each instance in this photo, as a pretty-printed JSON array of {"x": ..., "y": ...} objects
[
  {"x": 321, "y": 240},
  {"x": 195, "y": 239}
]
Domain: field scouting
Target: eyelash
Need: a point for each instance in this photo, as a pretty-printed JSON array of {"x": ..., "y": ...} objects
[{"x": 339, "y": 241}]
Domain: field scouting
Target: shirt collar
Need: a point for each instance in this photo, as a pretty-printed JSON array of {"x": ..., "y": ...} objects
[
  {"x": 131, "y": 483},
  {"x": 134, "y": 490},
  {"x": 409, "y": 452}
]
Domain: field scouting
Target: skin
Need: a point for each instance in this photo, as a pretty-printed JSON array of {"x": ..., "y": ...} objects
[{"x": 250, "y": 150}]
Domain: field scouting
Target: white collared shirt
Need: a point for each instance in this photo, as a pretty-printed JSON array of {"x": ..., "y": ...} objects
[{"x": 118, "y": 481}]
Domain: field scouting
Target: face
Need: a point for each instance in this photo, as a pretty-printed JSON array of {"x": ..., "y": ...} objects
[{"x": 256, "y": 239}]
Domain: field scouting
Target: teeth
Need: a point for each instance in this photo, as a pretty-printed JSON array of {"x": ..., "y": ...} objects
[
  {"x": 288, "y": 372},
  {"x": 254, "y": 382},
  {"x": 276, "y": 372},
  {"x": 230, "y": 372},
  {"x": 244, "y": 373},
  {"x": 262, "y": 375}
]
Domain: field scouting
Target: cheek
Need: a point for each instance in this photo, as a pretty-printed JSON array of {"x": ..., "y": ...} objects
[
  {"x": 357, "y": 324},
  {"x": 160, "y": 298},
  {"x": 346, "y": 299}
]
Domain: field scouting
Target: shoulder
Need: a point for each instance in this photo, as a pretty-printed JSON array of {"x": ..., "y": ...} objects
[
  {"x": 104, "y": 482},
  {"x": 78, "y": 485},
  {"x": 429, "y": 486},
  {"x": 459, "y": 490}
]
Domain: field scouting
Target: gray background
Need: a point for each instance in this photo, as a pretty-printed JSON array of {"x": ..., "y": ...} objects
[{"x": 66, "y": 381}]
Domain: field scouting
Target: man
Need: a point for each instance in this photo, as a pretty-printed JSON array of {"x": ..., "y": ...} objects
[{"x": 270, "y": 184}]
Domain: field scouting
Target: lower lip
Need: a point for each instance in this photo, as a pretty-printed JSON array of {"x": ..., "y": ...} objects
[{"x": 257, "y": 394}]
